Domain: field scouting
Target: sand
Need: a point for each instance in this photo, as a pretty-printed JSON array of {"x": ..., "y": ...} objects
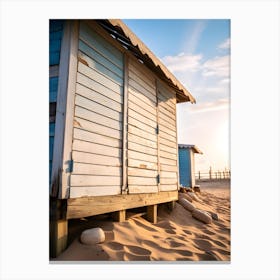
[{"x": 177, "y": 236}]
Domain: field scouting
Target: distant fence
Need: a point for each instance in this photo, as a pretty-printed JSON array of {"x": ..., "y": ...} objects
[{"x": 213, "y": 175}]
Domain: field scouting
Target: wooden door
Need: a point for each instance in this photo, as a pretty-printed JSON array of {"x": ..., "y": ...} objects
[
  {"x": 98, "y": 117},
  {"x": 168, "y": 153},
  {"x": 142, "y": 130}
]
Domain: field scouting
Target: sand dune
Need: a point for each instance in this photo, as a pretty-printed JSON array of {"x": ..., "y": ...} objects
[{"x": 177, "y": 236}]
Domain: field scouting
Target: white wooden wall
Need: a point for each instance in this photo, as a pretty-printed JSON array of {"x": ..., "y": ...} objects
[
  {"x": 97, "y": 147},
  {"x": 168, "y": 156},
  {"x": 142, "y": 125},
  {"x": 97, "y": 132}
]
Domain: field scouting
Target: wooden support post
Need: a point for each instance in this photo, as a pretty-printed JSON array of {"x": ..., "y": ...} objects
[
  {"x": 171, "y": 205},
  {"x": 152, "y": 213},
  {"x": 58, "y": 237},
  {"x": 119, "y": 216}
]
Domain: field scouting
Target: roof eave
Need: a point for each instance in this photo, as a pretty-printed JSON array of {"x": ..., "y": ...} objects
[{"x": 182, "y": 94}]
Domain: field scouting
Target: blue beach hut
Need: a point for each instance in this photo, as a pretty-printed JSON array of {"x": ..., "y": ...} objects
[{"x": 186, "y": 164}]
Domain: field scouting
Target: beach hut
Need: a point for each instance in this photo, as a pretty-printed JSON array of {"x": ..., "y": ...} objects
[
  {"x": 186, "y": 164},
  {"x": 113, "y": 139}
]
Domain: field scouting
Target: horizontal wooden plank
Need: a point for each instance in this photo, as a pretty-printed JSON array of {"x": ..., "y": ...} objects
[
  {"x": 90, "y": 52},
  {"x": 167, "y": 188},
  {"x": 91, "y": 180},
  {"x": 53, "y": 71},
  {"x": 168, "y": 155},
  {"x": 96, "y": 159},
  {"x": 97, "y": 118},
  {"x": 167, "y": 149},
  {"x": 168, "y": 181},
  {"x": 164, "y": 130},
  {"x": 142, "y": 149},
  {"x": 101, "y": 45},
  {"x": 97, "y": 128},
  {"x": 169, "y": 168},
  {"x": 94, "y": 205},
  {"x": 142, "y": 181},
  {"x": 51, "y": 129},
  {"x": 84, "y": 146},
  {"x": 133, "y": 189},
  {"x": 142, "y": 71},
  {"x": 165, "y": 119},
  {"x": 98, "y": 77},
  {"x": 98, "y": 98},
  {"x": 168, "y": 161},
  {"x": 54, "y": 58},
  {"x": 171, "y": 102},
  {"x": 53, "y": 86},
  {"x": 96, "y": 138},
  {"x": 167, "y": 92},
  {"x": 169, "y": 125},
  {"x": 99, "y": 68},
  {"x": 141, "y": 156},
  {"x": 141, "y": 125},
  {"x": 135, "y": 107},
  {"x": 97, "y": 87},
  {"x": 140, "y": 172},
  {"x": 138, "y": 132},
  {"x": 98, "y": 108},
  {"x": 133, "y": 86},
  {"x": 148, "y": 99},
  {"x": 148, "y": 107},
  {"x": 141, "y": 118},
  {"x": 141, "y": 141},
  {"x": 145, "y": 83},
  {"x": 92, "y": 169},
  {"x": 167, "y": 174},
  {"x": 90, "y": 191},
  {"x": 166, "y": 136},
  {"x": 168, "y": 108},
  {"x": 166, "y": 112},
  {"x": 142, "y": 164},
  {"x": 172, "y": 144}
]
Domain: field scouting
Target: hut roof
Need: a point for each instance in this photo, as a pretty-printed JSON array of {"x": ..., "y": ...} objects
[
  {"x": 120, "y": 31},
  {"x": 187, "y": 146}
]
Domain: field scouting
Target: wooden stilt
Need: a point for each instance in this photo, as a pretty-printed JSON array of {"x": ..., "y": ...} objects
[
  {"x": 152, "y": 213},
  {"x": 58, "y": 227},
  {"x": 171, "y": 205},
  {"x": 119, "y": 216},
  {"x": 58, "y": 237}
]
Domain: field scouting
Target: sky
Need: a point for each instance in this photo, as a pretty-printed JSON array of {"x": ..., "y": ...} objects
[{"x": 197, "y": 52}]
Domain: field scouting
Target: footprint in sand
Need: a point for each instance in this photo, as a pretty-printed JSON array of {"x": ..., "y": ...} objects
[
  {"x": 187, "y": 232},
  {"x": 115, "y": 246},
  {"x": 136, "y": 253},
  {"x": 170, "y": 231},
  {"x": 209, "y": 232},
  {"x": 174, "y": 244},
  {"x": 208, "y": 256},
  {"x": 219, "y": 243},
  {"x": 136, "y": 250},
  {"x": 203, "y": 244}
]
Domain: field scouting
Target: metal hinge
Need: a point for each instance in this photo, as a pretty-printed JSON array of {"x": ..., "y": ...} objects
[
  {"x": 157, "y": 129},
  {"x": 158, "y": 179},
  {"x": 70, "y": 168}
]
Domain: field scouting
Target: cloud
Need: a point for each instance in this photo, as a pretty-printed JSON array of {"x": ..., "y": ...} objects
[
  {"x": 218, "y": 66},
  {"x": 183, "y": 62},
  {"x": 225, "y": 44},
  {"x": 193, "y": 37},
  {"x": 220, "y": 104}
]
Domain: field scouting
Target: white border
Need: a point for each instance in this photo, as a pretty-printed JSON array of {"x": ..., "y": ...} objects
[{"x": 254, "y": 144}]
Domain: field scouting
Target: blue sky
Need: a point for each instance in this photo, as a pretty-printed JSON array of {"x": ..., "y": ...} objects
[{"x": 198, "y": 54}]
